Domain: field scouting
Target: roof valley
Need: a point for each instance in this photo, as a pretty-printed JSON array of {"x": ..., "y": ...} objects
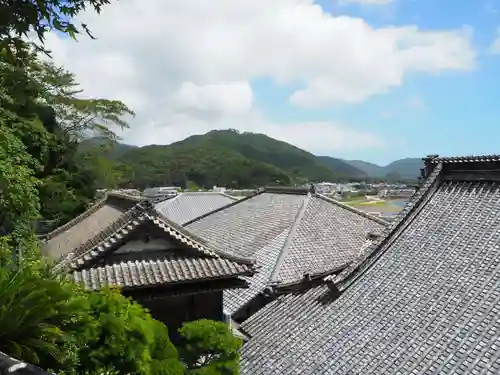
[{"x": 289, "y": 239}]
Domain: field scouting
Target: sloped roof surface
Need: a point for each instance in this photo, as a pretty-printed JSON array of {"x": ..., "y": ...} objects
[
  {"x": 289, "y": 233},
  {"x": 78, "y": 231},
  {"x": 266, "y": 258},
  {"x": 190, "y": 205},
  {"x": 170, "y": 269},
  {"x": 205, "y": 263},
  {"x": 202, "y": 262},
  {"x": 426, "y": 300}
]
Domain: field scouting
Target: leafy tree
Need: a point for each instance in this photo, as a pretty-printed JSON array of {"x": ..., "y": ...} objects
[
  {"x": 18, "y": 18},
  {"x": 209, "y": 348},
  {"x": 39, "y": 314},
  {"x": 191, "y": 186},
  {"x": 78, "y": 118},
  {"x": 18, "y": 186},
  {"x": 226, "y": 158},
  {"x": 127, "y": 339},
  {"x": 52, "y": 119}
]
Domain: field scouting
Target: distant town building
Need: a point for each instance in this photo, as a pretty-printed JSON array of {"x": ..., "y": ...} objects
[
  {"x": 396, "y": 192},
  {"x": 160, "y": 192},
  {"x": 219, "y": 189},
  {"x": 326, "y": 188}
]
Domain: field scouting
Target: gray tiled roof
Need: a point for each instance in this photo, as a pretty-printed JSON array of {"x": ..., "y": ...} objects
[
  {"x": 134, "y": 221},
  {"x": 190, "y": 205},
  {"x": 200, "y": 259},
  {"x": 426, "y": 300},
  {"x": 289, "y": 234},
  {"x": 86, "y": 226},
  {"x": 116, "y": 235},
  {"x": 168, "y": 270},
  {"x": 266, "y": 258}
]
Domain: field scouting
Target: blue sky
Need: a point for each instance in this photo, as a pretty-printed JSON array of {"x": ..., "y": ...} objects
[
  {"x": 454, "y": 113},
  {"x": 248, "y": 50}
]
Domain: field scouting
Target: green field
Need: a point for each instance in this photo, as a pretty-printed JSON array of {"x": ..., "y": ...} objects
[{"x": 375, "y": 206}]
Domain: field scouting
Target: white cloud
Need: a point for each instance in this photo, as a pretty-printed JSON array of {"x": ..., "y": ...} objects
[
  {"x": 232, "y": 97},
  {"x": 186, "y": 64}
]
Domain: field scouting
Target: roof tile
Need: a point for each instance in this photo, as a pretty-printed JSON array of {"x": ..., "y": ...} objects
[
  {"x": 191, "y": 205},
  {"x": 170, "y": 270},
  {"x": 290, "y": 235},
  {"x": 425, "y": 301}
]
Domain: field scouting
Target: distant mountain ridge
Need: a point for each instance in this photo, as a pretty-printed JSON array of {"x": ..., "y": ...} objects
[
  {"x": 407, "y": 168},
  {"x": 235, "y": 159},
  {"x": 224, "y": 158}
]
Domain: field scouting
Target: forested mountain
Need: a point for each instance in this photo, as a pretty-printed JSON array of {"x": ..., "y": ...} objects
[
  {"x": 117, "y": 149},
  {"x": 408, "y": 168},
  {"x": 344, "y": 168},
  {"x": 228, "y": 158}
]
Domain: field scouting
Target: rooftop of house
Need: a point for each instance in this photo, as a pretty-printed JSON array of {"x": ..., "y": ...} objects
[
  {"x": 190, "y": 205},
  {"x": 424, "y": 299},
  {"x": 105, "y": 213},
  {"x": 95, "y": 257},
  {"x": 292, "y": 234}
]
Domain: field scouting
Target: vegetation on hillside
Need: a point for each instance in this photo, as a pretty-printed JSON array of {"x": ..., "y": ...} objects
[
  {"x": 403, "y": 169},
  {"x": 225, "y": 158},
  {"x": 44, "y": 318}
]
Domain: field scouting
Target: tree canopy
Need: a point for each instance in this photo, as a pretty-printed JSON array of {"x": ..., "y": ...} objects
[
  {"x": 224, "y": 158},
  {"x": 45, "y": 318}
]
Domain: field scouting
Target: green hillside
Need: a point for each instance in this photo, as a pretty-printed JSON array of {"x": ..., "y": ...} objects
[
  {"x": 344, "y": 168},
  {"x": 408, "y": 168},
  {"x": 230, "y": 158}
]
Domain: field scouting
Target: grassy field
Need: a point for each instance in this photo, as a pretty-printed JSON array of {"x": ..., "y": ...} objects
[
  {"x": 385, "y": 207},
  {"x": 354, "y": 199}
]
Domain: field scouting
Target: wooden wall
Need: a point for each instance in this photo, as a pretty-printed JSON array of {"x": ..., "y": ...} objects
[{"x": 175, "y": 310}]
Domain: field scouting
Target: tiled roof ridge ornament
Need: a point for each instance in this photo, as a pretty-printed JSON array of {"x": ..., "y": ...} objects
[
  {"x": 286, "y": 190},
  {"x": 268, "y": 292},
  {"x": 372, "y": 236},
  {"x": 435, "y": 159},
  {"x": 148, "y": 205},
  {"x": 428, "y": 167}
]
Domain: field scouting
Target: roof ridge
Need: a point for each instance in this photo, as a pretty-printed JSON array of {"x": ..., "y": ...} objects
[
  {"x": 92, "y": 209},
  {"x": 203, "y": 243},
  {"x": 352, "y": 209},
  {"x": 134, "y": 218},
  {"x": 435, "y": 159},
  {"x": 102, "y": 239},
  {"x": 130, "y": 197},
  {"x": 373, "y": 252},
  {"x": 286, "y": 190},
  {"x": 289, "y": 239},
  {"x": 206, "y": 193},
  {"x": 451, "y": 162},
  {"x": 237, "y": 201}
]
